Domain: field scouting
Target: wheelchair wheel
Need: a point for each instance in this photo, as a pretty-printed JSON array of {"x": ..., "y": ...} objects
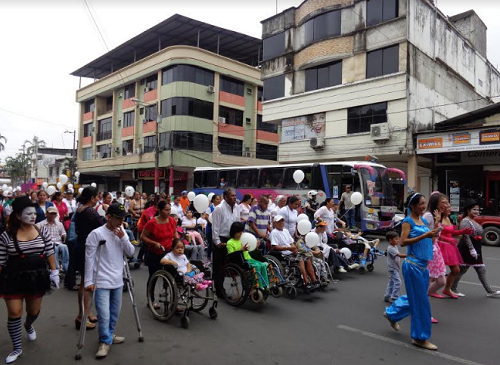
[
  {"x": 236, "y": 285},
  {"x": 277, "y": 291},
  {"x": 162, "y": 295},
  {"x": 291, "y": 292},
  {"x": 185, "y": 321},
  {"x": 200, "y": 300},
  {"x": 370, "y": 267},
  {"x": 257, "y": 296},
  {"x": 212, "y": 312},
  {"x": 276, "y": 263}
]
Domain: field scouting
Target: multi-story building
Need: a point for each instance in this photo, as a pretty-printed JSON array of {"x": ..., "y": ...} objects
[
  {"x": 200, "y": 82},
  {"x": 49, "y": 164},
  {"x": 350, "y": 78}
]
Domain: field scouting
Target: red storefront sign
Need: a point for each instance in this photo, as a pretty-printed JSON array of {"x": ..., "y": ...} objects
[{"x": 146, "y": 174}]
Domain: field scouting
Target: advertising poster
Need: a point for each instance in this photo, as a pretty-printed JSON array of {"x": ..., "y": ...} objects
[
  {"x": 301, "y": 128},
  {"x": 454, "y": 189}
]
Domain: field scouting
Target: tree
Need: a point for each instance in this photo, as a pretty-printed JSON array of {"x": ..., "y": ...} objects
[
  {"x": 33, "y": 150},
  {"x": 18, "y": 168},
  {"x": 2, "y": 145}
]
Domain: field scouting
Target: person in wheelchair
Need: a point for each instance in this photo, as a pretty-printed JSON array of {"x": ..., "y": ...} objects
[
  {"x": 350, "y": 238},
  {"x": 190, "y": 273},
  {"x": 282, "y": 241},
  {"x": 234, "y": 244},
  {"x": 195, "y": 252},
  {"x": 317, "y": 260}
]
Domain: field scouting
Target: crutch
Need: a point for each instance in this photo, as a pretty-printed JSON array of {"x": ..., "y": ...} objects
[
  {"x": 130, "y": 288},
  {"x": 83, "y": 326}
]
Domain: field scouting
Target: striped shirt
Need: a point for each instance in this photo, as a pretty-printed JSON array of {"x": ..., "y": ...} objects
[
  {"x": 34, "y": 246},
  {"x": 260, "y": 218},
  {"x": 56, "y": 230}
]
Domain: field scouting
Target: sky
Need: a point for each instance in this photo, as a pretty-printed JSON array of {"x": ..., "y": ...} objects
[{"x": 42, "y": 42}]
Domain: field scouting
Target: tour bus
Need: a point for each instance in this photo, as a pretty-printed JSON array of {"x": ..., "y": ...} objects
[{"x": 375, "y": 213}]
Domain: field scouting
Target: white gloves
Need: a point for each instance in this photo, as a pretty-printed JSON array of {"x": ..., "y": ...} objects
[
  {"x": 473, "y": 253},
  {"x": 54, "y": 278}
]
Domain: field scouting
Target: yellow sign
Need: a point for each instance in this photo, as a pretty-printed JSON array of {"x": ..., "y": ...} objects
[{"x": 430, "y": 143}]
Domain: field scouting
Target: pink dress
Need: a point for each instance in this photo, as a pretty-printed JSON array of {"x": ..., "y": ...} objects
[
  {"x": 448, "y": 246},
  {"x": 436, "y": 266}
]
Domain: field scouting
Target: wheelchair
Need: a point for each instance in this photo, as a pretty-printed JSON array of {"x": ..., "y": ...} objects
[
  {"x": 241, "y": 281},
  {"x": 357, "y": 252},
  {"x": 168, "y": 289}
]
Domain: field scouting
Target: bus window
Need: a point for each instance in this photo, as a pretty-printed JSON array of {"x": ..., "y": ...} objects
[
  {"x": 271, "y": 178},
  {"x": 229, "y": 177},
  {"x": 317, "y": 179},
  {"x": 291, "y": 184},
  {"x": 335, "y": 180},
  {"x": 248, "y": 178},
  {"x": 210, "y": 179},
  {"x": 198, "y": 179}
]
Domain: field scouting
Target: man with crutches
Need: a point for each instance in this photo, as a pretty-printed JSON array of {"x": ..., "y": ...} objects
[{"x": 105, "y": 274}]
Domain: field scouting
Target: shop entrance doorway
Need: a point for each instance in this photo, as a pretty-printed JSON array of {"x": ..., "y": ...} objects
[{"x": 492, "y": 201}]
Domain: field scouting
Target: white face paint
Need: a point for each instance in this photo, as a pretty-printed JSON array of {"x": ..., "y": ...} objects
[{"x": 28, "y": 216}]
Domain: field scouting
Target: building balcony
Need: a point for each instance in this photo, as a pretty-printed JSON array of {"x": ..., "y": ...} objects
[
  {"x": 148, "y": 127},
  {"x": 231, "y": 99},
  {"x": 231, "y": 129},
  {"x": 127, "y": 103},
  {"x": 88, "y": 116},
  {"x": 86, "y": 141},
  {"x": 102, "y": 136},
  {"x": 268, "y": 136},
  {"x": 151, "y": 95},
  {"x": 127, "y": 131}
]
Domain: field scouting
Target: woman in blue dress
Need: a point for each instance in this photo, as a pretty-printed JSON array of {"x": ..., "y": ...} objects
[{"x": 415, "y": 303}]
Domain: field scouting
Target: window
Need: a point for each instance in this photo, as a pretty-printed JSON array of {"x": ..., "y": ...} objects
[
  {"x": 323, "y": 26},
  {"x": 260, "y": 94},
  {"x": 232, "y": 116},
  {"x": 187, "y": 106},
  {"x": 274, "y": 46},
  {"x": 128, "y": 147},
  {"x": 271, "y": 178},
  {"x": 185, "y": 140},
  {"x": 129, "y": 91},
  {"x": 266, "y": 127},
  {"x": 291, "y": 184},
  {"x": 382, "y": 61},
  {"x": 378, "y": 11},
  {"x": 104, "y": 129},
  {"x": 267, "y": 152},
  {"x": 232, "y": 86},
  {"x": 152, "y": 82},
  {"x": 229, "y": 146},
  {"x": 274, "y": 87},
  {"x": 87, "y": 129},
  {"x": 51, "y": 171},
  {"x": 324, "y": 76},
  {"x": 248, "y": 178},
  {"x": 104, "y": 151},
  {"x": 151, "y": 113},
  {"x": 109, "y": 103},
  {"x": 149, "y": 144},
  {"x": 87, "y": 154},
  {"x": 128, "y": 119},
  {"x": 210, "y": 179},
  {"x": 229, "y": 177},
  {"x": 89, "y": 106},
  {"x": 360, "y": 118},
  {"x": 187, "y": 73}
]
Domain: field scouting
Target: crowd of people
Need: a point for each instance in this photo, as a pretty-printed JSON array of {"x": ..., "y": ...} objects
[{"x": 37, "y": 229}]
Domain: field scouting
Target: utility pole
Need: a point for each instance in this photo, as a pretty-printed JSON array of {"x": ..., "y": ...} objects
[
  {"x": 157, "y": 154},
  {"x": 73, "y": 154},
  {"x": 171, "y": 170}
]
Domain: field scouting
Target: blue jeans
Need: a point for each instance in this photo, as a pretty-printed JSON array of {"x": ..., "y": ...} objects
[
  {"x": 63, "y": 250},
  {"x": 130, "y": 235},
  {"x": 394, "y": 285},
  {"x": 108, "y": 303},
  {"x": 350, "y": 217}
]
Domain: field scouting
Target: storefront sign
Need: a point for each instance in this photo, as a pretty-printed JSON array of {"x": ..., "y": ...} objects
[
  {"x": 473, "y": 140},
  {"x": 306, "y": 127},
  {"x": 145, "y": 174}
]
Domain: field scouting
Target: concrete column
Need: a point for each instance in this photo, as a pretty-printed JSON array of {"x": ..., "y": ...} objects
[{"x": 413, "y": 182}]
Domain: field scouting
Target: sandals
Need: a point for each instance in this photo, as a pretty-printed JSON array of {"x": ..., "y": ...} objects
[
  {"x": 90, "y": 325},
  {"x": 425, "y": 345},
  {"x": 93, "y": 319}
]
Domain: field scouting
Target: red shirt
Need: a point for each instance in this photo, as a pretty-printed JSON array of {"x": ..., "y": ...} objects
[
  {"x": 161, "y": 233},
  {"x": 146, "y": 217},
  {"x": 63, "y": 210}
]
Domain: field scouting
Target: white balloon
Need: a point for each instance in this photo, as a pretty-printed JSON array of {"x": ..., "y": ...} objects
[
  {"x": 94, "y": 185},
  {"x": 210, "y": 218},
  {"x": 249, "y": 240},
  {"x": 59, "y": 185},
  {"x": 210, "y": 196},
  {"x": 356, "y": 198},
  {"x": 63, "y": 179},
  {"x": 101, "y": 211},
  {"x": 51, "y": 190},
  {"x": 312, "y": 239},
  {"x": 298, "y": 176},
  {"x": 304, "y": 226},
  {"x": 70, "y": 186},
  {"x": 347, "y": 253},
  {"x": 9, "y": 188},
  {"x": 173, "y": 211},
  {"x": 302, "y": 217},
  {"x": 129, "y": 191},
  {"x": 5, "y": 187},
  {"x": 191, "y": 195},
  {"x": 201, "y": 203},
  {"x": 45, "y": 184},
  {"x": 80, "y": 190},
  {"x": 77, "y": 174}
]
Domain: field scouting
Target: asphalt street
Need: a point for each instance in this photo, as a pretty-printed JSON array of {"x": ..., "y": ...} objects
[{"x": 343, "y": 325}]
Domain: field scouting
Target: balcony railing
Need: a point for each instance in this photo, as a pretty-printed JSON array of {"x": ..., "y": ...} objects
[{"x": 101, "y": 136}]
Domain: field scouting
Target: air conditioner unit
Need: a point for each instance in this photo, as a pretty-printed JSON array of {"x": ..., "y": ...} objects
[
  {"x": 222, "y": 120},
  {"x": 138, "y": 151},
  {"x": 317, "y": 143},
  {"x": 380, "y": 132},
  {"x": 248, "y": 154},
  {"x": 117, "y": 149},
  {"x": 144, "y": 121},
  {"x": 249, "y": 91},
  {"x": 146, "y": 89},
  {"x": 210, "y": 89},
  {"x": 120, "y": 95}
]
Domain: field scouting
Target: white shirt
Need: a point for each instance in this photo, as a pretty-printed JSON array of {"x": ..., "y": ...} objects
[
  {"x": 281, "y": 238},
  {"x": 244, "y": 212},
  {"x": 70, "y": 204},
  {"x": 290, "y": 219},
  {"x": 271, "y": 207},
  {"x": 186, "y": 222},
  {"x": 181, "y": 261},
  {"x": 110, "y": 274},
  {"x": 328, "y": 216},
  {"x": 201, "y": 221},
  {"x": 323, "y": 243},
  {"x": 180, "y": 213},
  {"x": 274, "y": 212},
  {"x": 222, "y": 219}
]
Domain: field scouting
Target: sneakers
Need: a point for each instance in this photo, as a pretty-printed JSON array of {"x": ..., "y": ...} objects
[
  {"x": 394, "y": 325},
  {"x": 30, "y": 332},
  {"x": 200, "y": 287},
  {"x": 308, "y": 288},
  {"x": 494, "y": 294},
  {"x": 118, "y": 340},
  {"x": 458, "y": 294},
  {"x": 208, "y": 282},
  {"x": 353, "y": 266},
  {"x": 102, "y": 350},
  {"x": 13, "y": 356},
  {"x": 388, "y": 300},
  {"x": 424, "y": 344},
  {"x": 341, "y": 270}
]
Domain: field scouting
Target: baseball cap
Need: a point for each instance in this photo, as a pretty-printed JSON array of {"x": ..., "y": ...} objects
[
  {"x": 320, "y": 222},
  {"x": 184, "y": 192},
  {"x": 69, "y": 191},
  {"x": 313, "y": 192},
  {"x": 52, "y": 210},
  {"x": 116, "y": 210},
  {"x": 279, "y": 218}
]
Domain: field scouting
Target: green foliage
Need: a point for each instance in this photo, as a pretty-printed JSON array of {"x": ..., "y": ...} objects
[{"x": 18, "y": 168}]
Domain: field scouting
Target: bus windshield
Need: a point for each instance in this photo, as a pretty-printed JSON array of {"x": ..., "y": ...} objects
[{"x": 377, "y": 187}]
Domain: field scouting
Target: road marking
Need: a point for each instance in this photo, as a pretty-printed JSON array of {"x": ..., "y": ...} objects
[
  {"x": 408, "y": 346},
  {"x": 492, "y": 258},
  {"x": 470, "y": 283}
]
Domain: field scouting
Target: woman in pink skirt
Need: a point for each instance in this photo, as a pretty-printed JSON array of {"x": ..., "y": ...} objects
[{"x": 449, "y": 249}]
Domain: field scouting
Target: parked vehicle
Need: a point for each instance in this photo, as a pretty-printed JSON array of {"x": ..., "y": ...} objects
[{"x": 491, "y": 225}]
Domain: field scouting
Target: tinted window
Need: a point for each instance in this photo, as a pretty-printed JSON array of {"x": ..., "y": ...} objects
[
  {"x": 229, "y": 177},
  {"x": 382, "y": 61},
  {"x": 232, "y": 86},
  {"x": 127, "y": 147},
  {"x": 187, "y": 73},
  {"x": 360, "y": 118},
  {"x": 210, "y": 178},
  {"x": 267, "y": 127},
  {"x": 274, "y": 46},
  {"x": 104, "y": 150},
  {"x": 152, "y": 82},
  {"x": 149, "y": 144},
  {"x": 128, "y": 119},
  {"x": 267, "y": 152},
  {"x": 104, "y": 129},
  {"x": 248, "y": 178},
  {"x": 324, "y": 76},
  {"x": 151, "y": 113},
  {"x": 89, "y": 106},
  {"x": 109, "y": 103},
  {"x": 231, "y": 116},
  {"x": 260, "y": 93},
  {"x": 291, "y": 184},
  {"x": 87, "y": 154},
  {"x": 229, "y": 146},
  {"x": 187, "y": 106},
  {"x": 129, "y": 91},
  {"x": 185, "y": 140},
  {"x": 271, "y": 178},
  {"x": 87, "y": 129},
  {"x": 323, "y": 26},
  {"x": 379, "y": 11},
  {"x": 274, "y": 87}
]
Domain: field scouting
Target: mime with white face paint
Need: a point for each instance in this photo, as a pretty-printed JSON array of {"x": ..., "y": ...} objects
[{"x": 25, "y": 255}]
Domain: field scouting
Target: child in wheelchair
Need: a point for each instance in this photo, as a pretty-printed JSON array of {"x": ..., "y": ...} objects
[
  {"x": 194, "y": 252},
  {"x": 178, "y": 259}
]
